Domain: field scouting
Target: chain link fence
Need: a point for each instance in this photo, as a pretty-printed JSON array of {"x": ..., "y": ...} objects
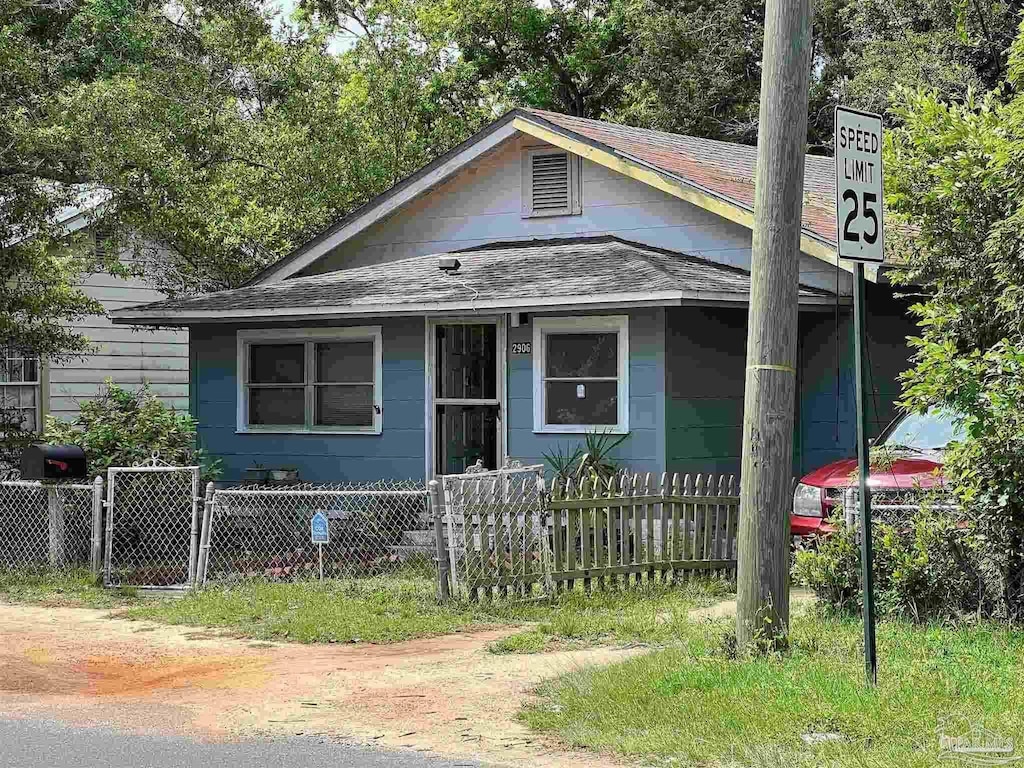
[
  {"x": 496, "y": 531},
  {"x": 897, "y": 505},
  {"x": 255, "y": 532},
  {"x": 152, "y": 531},
  {"x": 49, "y": 525}
]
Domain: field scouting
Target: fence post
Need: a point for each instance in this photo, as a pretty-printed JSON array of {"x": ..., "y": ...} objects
[
  {"x": 55, "y": 510},
  {"x": 96, "y": 561},
  {"x": 193, "y": 540},
  {"x": 443, "y": 586},
  {"x": 204, "y": 539}
]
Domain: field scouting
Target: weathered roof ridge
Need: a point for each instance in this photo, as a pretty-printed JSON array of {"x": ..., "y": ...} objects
[
  {"x": 573, "y": 239},
  {"x": 555, "y": 273}
]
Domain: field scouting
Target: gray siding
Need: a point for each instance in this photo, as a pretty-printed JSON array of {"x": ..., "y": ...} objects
[
  {"x": 128, "y": 356},
  {"x": 483, "y": 204}
]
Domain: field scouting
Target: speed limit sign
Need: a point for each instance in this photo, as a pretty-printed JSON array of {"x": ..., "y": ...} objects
[{"x": 859, "y": 185}]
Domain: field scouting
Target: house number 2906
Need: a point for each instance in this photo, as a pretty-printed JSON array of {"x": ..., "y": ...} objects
[{"x": 522, "y": 347}]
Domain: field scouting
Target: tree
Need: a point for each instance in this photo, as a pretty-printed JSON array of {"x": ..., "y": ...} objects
[
  {"x": 697, "y": 69},
  {"x": 571, "y": 57},
  {"x": 954, "y": 181},
  {"x": 410, "y": 92},
  {"x": 222, "y": 134}
]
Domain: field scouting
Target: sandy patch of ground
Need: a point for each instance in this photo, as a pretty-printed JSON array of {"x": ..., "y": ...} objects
[{"x": 446, "y": 695}]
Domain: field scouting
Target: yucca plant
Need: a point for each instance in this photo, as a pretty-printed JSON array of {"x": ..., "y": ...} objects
[
  {"x": 563, "y": 462},
  {"x": 592, "y": 461},
  {"x": 596, "y": 461}
]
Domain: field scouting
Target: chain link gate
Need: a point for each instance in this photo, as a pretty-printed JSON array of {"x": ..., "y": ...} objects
[
  {"x": 152, "y": 535},
  {"x": 497, "y": 543}
]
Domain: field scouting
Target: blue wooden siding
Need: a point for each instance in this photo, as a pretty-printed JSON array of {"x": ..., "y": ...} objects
[
  {"x": 828, "y": 408},
  {"x": 704, "y": 375},
  {"x": 686, "y": 372},
  {"x": 397, "y": 453},
  {"x": 644, "y": 449},
  {"x": 705, "y": 362}
]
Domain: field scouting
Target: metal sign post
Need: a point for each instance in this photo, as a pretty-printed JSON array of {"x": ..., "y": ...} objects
[
  {"x": 858, "y": 140},
  {"x": 319, "y": 534}
]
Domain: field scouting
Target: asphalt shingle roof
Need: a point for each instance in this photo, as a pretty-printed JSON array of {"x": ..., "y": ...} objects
[
  {"x": 721, "y": 167},
  {"x": 499, "y": 272}
]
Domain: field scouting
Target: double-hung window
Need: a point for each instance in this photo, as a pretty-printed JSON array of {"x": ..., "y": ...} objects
[
  {"x": 310, "y": 380},
  {"x": 19, "y": 391},
  {"x": 581, "y": 374}
]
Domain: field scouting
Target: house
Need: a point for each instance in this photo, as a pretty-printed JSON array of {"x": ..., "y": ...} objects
[
  {"x": 548, "y": 277},
  {"x": 130, "y": 357}
]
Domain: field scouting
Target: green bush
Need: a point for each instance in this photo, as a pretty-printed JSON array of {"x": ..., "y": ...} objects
[
  {"x": 929, "y": 565},
  {"x": 123, "y": 428}
]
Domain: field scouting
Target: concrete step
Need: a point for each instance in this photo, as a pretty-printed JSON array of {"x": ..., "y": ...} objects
[
  {"x": 418, "y": 538},
  {"x": 405, "y": 552}
]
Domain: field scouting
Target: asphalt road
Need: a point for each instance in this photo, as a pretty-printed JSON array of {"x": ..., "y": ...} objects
[{"x": 32, "y": 744}]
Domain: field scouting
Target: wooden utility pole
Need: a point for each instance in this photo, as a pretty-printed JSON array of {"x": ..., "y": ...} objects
[{"x": 770, "y": 384}]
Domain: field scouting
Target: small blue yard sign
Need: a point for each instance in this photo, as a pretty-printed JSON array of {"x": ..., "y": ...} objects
[{"x": 318, "y": 529}]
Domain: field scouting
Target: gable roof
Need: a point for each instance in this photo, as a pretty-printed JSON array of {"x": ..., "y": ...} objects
[
  {"x": 719, "y": 167},
  {"x": 512, "y": 276},
  {"x": 715, "y": 175}
]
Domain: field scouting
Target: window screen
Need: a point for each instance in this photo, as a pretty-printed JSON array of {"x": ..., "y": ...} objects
[
  {"x": 581, "y": 378},
  {"x": 19, "y": 391},
  {"x": 328, "y": 384},
  {"x": 344, "y": 384}
]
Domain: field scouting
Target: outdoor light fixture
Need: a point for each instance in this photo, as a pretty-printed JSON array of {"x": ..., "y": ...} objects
[{"x": 448, "y": 264}]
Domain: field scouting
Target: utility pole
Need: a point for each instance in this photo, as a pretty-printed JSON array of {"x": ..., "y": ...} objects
[{"x": 770, "y": 383}]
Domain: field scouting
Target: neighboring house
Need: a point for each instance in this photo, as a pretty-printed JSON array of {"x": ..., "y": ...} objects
[
  {"x": 130, "y": 357},
  {"x": 602, "y": 286}
]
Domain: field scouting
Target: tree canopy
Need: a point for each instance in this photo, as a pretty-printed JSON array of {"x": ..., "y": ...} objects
[
  {"x": 229, "y": 135},
  {"x": 955, "y": 177}
]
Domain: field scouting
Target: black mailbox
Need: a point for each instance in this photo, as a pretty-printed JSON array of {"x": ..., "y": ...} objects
[{"x": 53, "y": 462}]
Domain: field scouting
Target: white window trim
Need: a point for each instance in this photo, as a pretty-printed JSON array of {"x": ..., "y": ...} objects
[
  {"x": 293, "y": 335},
  {"x": 545, "y": 326},
  {"x": 575, "y": 168},
  {"x": 36, "y": 384}
]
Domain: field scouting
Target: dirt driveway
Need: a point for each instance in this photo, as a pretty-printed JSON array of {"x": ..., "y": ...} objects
[{"x": 446, "y": 695}]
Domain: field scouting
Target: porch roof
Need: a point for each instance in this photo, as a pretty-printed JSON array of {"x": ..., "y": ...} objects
[{"x": 529, "y": 275}]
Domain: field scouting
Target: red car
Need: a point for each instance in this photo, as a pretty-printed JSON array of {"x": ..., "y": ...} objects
[{"x": 918, "y": 442}]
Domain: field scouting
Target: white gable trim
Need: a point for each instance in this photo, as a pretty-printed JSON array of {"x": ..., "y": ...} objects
[
  {"x": 676, "y": 186},
  {"x": 375, "y": 213}
]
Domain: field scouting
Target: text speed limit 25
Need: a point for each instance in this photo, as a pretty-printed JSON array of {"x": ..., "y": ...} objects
[{"x": 859, "y": 185}]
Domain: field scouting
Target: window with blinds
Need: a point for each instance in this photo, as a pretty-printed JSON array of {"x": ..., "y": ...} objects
[{"x": 551, "y": 183}]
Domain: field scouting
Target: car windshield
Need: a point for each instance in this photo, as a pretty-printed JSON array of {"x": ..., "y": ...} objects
[{"x": 925, "y": 431}]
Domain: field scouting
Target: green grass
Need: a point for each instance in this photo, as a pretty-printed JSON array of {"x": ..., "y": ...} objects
[
  {"x": 693, "y": 705},
  {"x": 75, "y": 588},
  {"x": 391, "y": 610}
]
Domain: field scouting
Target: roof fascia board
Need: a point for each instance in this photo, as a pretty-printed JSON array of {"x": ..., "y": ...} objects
[
  {"x": 527, "y": 304},
  {"x": 674, "y": 185},
  {"x": 393, "y": 200}
]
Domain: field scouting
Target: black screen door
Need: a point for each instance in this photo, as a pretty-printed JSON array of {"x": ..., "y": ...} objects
[{"x": 466, "y": 403}]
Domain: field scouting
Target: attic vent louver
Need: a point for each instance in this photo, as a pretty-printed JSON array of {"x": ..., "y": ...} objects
[{"x": 550, "y": 183}]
